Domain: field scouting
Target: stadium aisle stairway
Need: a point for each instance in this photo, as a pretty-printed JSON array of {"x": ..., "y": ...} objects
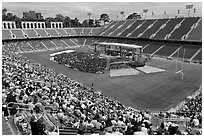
[
  {"x": 170, "y": 25},
  {"x": 59, "y": 43},
  {"x": 121, "y": 28},
  {"x": 198, "y": 57},
  {"x": 5, "y": 127},
  {"x": 6, "y": 34},
  {"x": 152, "y": 47},
  {"x": 106, "y": 28},
  {"x": 196, "y": 33},
  {"x": 41, "y": 32},
  {"x": 111, "y": 30},
  {"x": 62, "y": 32},
  {"x": 30, "y": 33},
  {"x": 184, "y": 28},
  {"x": 70, "y": 31},
  {"x": 167, "y": 50},
  {"x": 141, "y": 29},
  {"x": 49, "y": 44},
  {"x": 154, "y": 28},
  {"x": 37, "y": 45},
  {"x": 52, "y": 32},
  {"x": 86, "y": 31},
  {"x": 18, "y": 33},
  {"x": 189, "y": 52},
  {"x": 78, "y": 31},
  {"x": 131, "y": 28}
]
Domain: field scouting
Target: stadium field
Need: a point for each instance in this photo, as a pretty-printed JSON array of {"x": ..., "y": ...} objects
[{"x": 158, "y": 91}]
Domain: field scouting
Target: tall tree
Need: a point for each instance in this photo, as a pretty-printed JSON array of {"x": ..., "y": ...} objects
[
  {"x": 85, "y": 23},
  {"x": 48, "y": 21},
  {"x": 67, "y": 22},
  {"x": 134, "y": 16},
  {"x": 104, "y": 17},
  {"x": 59, "y": 18}
]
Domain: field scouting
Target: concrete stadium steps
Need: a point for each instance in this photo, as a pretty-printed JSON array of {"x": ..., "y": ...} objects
[
  {"x": 81, "y": 40},
  {"x": 167, "y": 50},
  {"x": 30, "y": 33},
  {"x": 131, "y": 28},
  {"x": 189, "y": 52},
  {"x": 170, "y": 25},
  {"x": 18, "y": 33},
  {"x": 152, "y": 47},
  {"x": 59, "y": 43},
  {"x": 69, "y": 42},
  {"x": 86, "y": 32},
  {"x": 49, "y": 44},
  {"x": 37, "y": 45},
  {"x": 5, "y": 127},
  {"x": 105, "y": 28},
  {"x": 52, "y": 32},
  {"x": 94, "y": 31},
  {"x": 154, "y": 28},
  {"x": 78, "y": 31},
  {"x": 89, "y": 41},
  {"x": 62, "y": 32},
  {"x": 112, "y": 29},
  {"x": 12, "y": 126},
  {"x": 121, "y": 28},
  {"x": 42, "y": 32},
  {"x": 196, "y": 33},
  {"x": 184, "y": 28},
  {"x": 70, "y": 31},
  {"x": 24, "y": 46},
  {"x": 141, "y": 29},
  {"x": 6, "y": 34},
  {"x": 198, "y": 57}
]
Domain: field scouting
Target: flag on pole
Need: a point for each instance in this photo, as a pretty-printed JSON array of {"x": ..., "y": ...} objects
[
  {"x": 178, "y": 11},
  {"x": 164, "y": 12},
  {"x": 189, "y": 6},
  {"x": 194, "y": 10}
]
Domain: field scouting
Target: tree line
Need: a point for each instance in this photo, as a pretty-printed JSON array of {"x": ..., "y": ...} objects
[{"x": 66, "y": 20}]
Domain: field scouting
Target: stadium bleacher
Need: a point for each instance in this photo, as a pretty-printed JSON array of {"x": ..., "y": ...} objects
[
  {"x": 141, "y": 29},
  {"x": 62, "y": 32},
  {"x": 37, "y": 45},
  {"x": 94, "y": 31},
  {"x": 49, "y": 44},
  {"x": 31, "y": 33},
  {"x": 106, "y": 28},
  {"x": 6, "y": 34},
  {"x": 152, "y": 47},
  {"x": 52, "y": 32},
  {"x": 70, "y": 31},
  {"x": 198, "y": 57},
  {"x": 184, "y": 28},
  {"x": 131, "y": 28},
  {"x": 69, "y": 42},
  {"x": 196, "y": 33},
  {"x": 18, "y": 33},
  {"x": 86, "y": 31},
  {"x": 154, "y": 28},
  {"x": 42, "y": 32},
  {"x": 59, "y": 43},
  {"x": 168, "y": 28},
  {"x": 111, "y": 29},
  {"x": 78, "y": 31},
  {"x": 121, "y": 28}
]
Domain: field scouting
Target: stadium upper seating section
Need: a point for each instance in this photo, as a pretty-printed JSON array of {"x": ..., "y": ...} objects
[
  {"x": 86, "y": 31},
  {"x": 94, "y": 31},
  {"x": 18, "y": 33},
  {"x": 184, "y": 28},
  {"x": 106, "y": 28},
  {"x": 52, "y": 32},
  {"x": 149, "y": 32},
  {"x": 31, "y": 33},
  {"x": 70, "y": 31},
  {"x": 42, "y": 32},
  {"x": 196, "y": 33},
  {"x": 6, "y": 34},
  {"x": 140, "y": 29},
  {"x": 114, "y": 28},
  {"x": 62, "y": 32},
  {"x": 121, "y": 28},
  {"x": 131, "y": 28},
  {"x": 78, "y": 31}
]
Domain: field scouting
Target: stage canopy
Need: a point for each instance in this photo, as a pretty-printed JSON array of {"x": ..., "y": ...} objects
[{"x": 120, "y": 45}]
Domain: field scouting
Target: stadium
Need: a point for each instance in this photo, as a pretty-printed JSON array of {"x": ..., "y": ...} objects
[{"x": 132, "y": 76}]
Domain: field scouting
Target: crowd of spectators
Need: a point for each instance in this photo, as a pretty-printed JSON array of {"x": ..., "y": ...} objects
[
  {"x": 81, "y": 61},
  {"x": 70, "y": 102}
]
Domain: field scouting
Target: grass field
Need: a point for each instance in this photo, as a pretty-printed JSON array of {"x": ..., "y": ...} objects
[{"x": 158, "y": 91}]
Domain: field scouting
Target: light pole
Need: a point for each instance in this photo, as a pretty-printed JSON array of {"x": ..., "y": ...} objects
[
  {"x": 189, "y": 7},
  {"x": 145, "y": 11},
  {"x": 89, "y": 14}
]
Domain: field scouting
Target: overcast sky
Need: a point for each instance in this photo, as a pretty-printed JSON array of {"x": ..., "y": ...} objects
[{"x": 80, "y": 10}]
